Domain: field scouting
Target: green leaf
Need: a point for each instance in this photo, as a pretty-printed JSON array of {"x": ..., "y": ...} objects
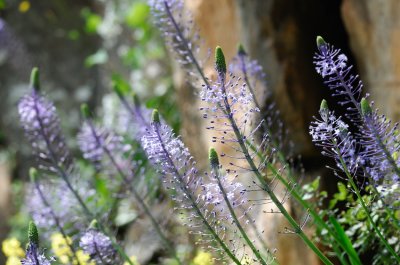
[{"x": 347, "y": 245}]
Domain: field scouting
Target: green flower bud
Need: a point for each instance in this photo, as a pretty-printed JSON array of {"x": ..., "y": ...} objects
[
  {"x": 35, "y": 82},
  {"x": 213, "y": 157},
  {"x": 365, "y": 107},
  {"x": 241, "y": 50},
  {"x": 94, "y": 224},
  {"x": 155, "y": 117},
  {"x": 85, "y": 111},
  {"x": 220, "y": 64},
  {"x": 324, "y": 106},
  {"x": 320, "y": 42},
  {"x": 118, "y": 89},
  {"x": 33, "y": 234},
  {"x": 33, "y": 174}
]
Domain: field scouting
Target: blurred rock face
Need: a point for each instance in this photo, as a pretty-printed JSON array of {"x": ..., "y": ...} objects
[{"x": 374, "y": 35}]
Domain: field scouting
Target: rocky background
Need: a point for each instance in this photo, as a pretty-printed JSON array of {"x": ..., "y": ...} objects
[{"x": 279, "y": 33}]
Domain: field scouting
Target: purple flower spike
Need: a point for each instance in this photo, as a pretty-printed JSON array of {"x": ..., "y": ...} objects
[{"x": 98, "y": 246}]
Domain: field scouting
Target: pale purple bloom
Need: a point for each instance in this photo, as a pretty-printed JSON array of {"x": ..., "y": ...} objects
[
  {"x": 98, "y": 246},
  {"x": 34, "y": 257},
  {"x": 63, "y": 204},
  {"x": 333, "y": 136},
  {"x": 180, "y": 35},
  {"x": 381, "y": 142},
  {"x": 42, "y": 128},
  {"x": 207, "y": 213},
  {"x": 332, "y": 65}
]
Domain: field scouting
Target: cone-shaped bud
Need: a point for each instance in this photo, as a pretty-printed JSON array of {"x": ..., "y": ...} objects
[
  {"x": 94, "y": 225},
  {"x": 35, "y": 82},
  {"x": 136, "y": 100},
  {"x": 155, "y": 117},
  {"x": 213, "y": 158},
  {"x": 33, "y": 174},
  {"x": 324, "y": 106},
  {"x": 241, "y": 50},
  {"x": 220, "y": 64},
  {"x": 85, "y": 111},
  {"x": 320, "y": 41},
  {"x": 33, "y": 235},
  {"x": 365, "y": 107},
  {"x": 321, "y": 44},
  {"x": 118, "y": 89}
]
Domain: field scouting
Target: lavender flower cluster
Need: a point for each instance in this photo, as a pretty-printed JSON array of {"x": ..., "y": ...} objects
[{"x": 217, "y": 207}]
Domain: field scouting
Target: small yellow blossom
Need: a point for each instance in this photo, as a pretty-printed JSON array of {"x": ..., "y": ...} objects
[
  {"x": 203, "y": 258},
  {"x": 60, "y": 247},
  {"x": 13, "y": 260},
  {"x": 12, "y": 248},
  {"x": 83, "y": 258},
  {"x": 24, "y": 6},
  {"x": 133, "y": 260}
]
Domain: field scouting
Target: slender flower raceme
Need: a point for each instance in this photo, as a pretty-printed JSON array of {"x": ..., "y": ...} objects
[
  {"x": 180, "y": 35},
  {"x": 33, "y": 255},
  {"x": 381, "y": 145},
  {"x": 42, "y": 128},
  {"x": 230, "y": 108},
  {"x": 181, "y": 176},
  {"x": 113, "y": 152},
  {"x": 332, "y": 134},
  {"x": 98, "y": 246},
  {"x": 332, "y": 65}
]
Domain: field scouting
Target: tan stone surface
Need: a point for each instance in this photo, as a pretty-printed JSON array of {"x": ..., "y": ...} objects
[{"x": 374, "y": 32}]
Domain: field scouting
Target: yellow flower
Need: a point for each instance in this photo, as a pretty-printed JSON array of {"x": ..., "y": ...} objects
[
  {"x": 12, "y": 260},
  {"x": 133, "y": 259},
  {"x": 24, "y": 6},
  {"x": 60, "y": 247},
  {"x": 203, "y": 258},
  {"x": 83, "y": 258},
  {"x": 12, "y": 248}
]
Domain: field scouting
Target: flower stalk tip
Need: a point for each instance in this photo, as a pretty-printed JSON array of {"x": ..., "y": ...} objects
[
  {"x": 324, "y": 106},
  {"x": 320, "y": 41},
  {"x": 213, "y": 157},
  {"x": 241, "y": 51},
  {"x": 220, "y": 64},
  {"x": 365, "y": 107},
  {"x": 118, "y": 89},
  {"x": 35, "y": 82},
  {"x": 85, "y": 111},
  {"x": 33, "y": 234},
  {"x": 155, "y": 117},
  {"x": 94, "y": 225},
  {"x": 33, "y": 174}
]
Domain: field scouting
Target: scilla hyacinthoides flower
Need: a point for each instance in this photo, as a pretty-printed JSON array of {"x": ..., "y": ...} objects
[
  {"x": 333, "y": 136},
  {"x": 180, "y": 35},
  {"x": 381, "y": 144},
  {"x": 33, "y": 256},
  {"x": 98, "y": 246},
  {"x": 332, "y": 65},
  {"x": 180, "y": 175},
  {"x": 42, "y": 127},
  {"x": 374, "y": 157},
  {"x": 231, "y": 109}
]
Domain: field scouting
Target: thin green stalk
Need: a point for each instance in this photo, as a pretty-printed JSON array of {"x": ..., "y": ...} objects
[
  {"x": 316, "y": 217},
  {"x": 265, "y": 186},
  {"x": 192, "y": 200},
  {"x": 235, "y": 219},
  {"x": 356, "y": 190},
  {"x": 136, "y": 195}
]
